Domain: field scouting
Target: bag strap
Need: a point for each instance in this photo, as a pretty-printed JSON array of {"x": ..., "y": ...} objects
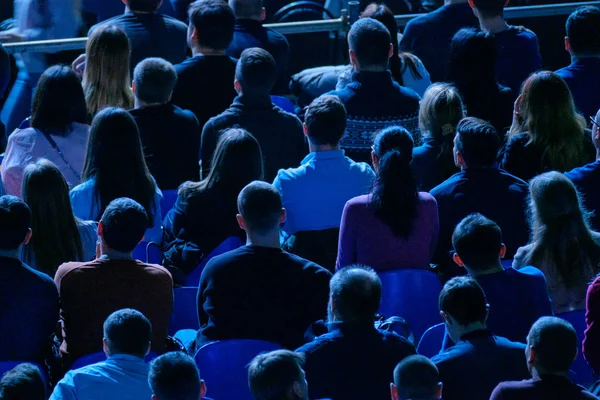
[{"x": 61, "y": 155}]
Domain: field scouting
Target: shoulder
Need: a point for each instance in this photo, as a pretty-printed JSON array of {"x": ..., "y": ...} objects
[
  {"x": 509, "y": 345},
  {"x": 82, "y": 189},
  {"x": 408, "y": 93},
  {"x": 307, "y": 266},
  {"x": 513, "y": 386},
  {"x": 361, "y": 168},
  {"x": 111, "y": 21},
  {"x": 26, "y": 135},
  {"x": 67, "y": 269},
  {"x": 174, "y": 22},
  {"x": 289, "y": 175},
  {"x": 155, "y": 269},
  {"x": 358, "y": 202},
  {"x": 275, "y": 36},
  {"x": 447, "y": 187},
  {"x": 427, "y": 198},
  {"x": 185, "y": 114}
]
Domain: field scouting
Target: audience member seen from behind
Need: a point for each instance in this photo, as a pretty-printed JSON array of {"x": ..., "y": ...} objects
[
  {"x": 416, "y": 378},
  {"x": 314, "y": 194},
  {"x": 547, "y": 133},
  {"x": 23, "y": 382},
  {"x": 29, "y": 298},
  {"x": 279, "y": 133},
  {"x": 277, "y": 375},
  {"x": 90, "y": 292},
  {"x": 5, "y": 77},
  {"x": 440, "y": 112},
  {"x": 124, "y": 374},
  {"x": 59, "y": 237},
  {"x": 517, "y": 298},
  {"x": 551, "y": 349},
  {"x": 562, "y": 244},
  {"x": 395, "y": 226},
  {"x": 58, "y": 130},
  {"x": 237, "y": 289},
  {"x": 353, "y": 350},
  {"x": 115, "y": 167},
  {"x": 175, "y": 376},
  {"x": 171, "y": 158},
  {"x": 591, "y": 341},
  {"x": 477, "y": 352},
  {"x": 472, "y": 70}
]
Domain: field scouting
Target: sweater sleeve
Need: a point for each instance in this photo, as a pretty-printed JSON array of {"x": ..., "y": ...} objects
[
  {"x": 347, "y": 240},
  {"x": 591, "y": 341}
]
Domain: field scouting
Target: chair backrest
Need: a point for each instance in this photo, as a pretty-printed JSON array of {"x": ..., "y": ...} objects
[
  {"x": 284, "y": 103},
  {"x": 148, "y": 252},
  {"x": 185, "y": 310},
  {"x": 94, "y": 358},
  {"x": 431, "y": 342},
  {"x": 413, "y": 295},
  {"x": 224, "y": 366},
  {"x": 6, "y": 366},
  {"x": 581, "y": 372},
  {"x": 231, "y": 243},
  {"x": 304, "y": 10},
  {"x": 168, "y": 201}
]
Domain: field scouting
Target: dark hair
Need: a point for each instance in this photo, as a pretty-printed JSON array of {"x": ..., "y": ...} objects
[
  {"x": 124, "y": 223},
  {"x": 555, "y": 343},
  {"x": 325, "y": 120},
  {"x": 416, "y": 377},
  {"x": 58, "y": 101},
  {"x": 356, "y": 292},
  {"x": 155, "y": 80},
  {"x": 464, "y": 300},
  {"x": 128, "y": 331},
  {"x": 214, "y": 22},
  {"x": 260, "y": 205},
  {"x": 143, "y": 5},
  {"x": 15, "y": 222},
  {"x": 490, "y": 8},
  {"x": 272, "y": 375},
  {"x": 174, "y": 376},
  {"x": 370, "y": 41},
  {"x": 395, "y": 196},
  {"x": 583, "y": 31},
  {"x": 23, "y": 382},
  {"x": 477, "y": 241},
  {"x": 256, "y": 71},
  {"x": 115, "y": 159},
  {"x": 478, "y": 142},
  {"x": 246, "y": 9},
  {"x": 46, "y": 192}
]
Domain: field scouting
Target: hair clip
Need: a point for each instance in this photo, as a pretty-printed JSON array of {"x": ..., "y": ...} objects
[{"x": 447, "y": 129}]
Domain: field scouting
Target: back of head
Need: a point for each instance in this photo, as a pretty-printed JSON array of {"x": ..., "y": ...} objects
[
  {"x": 256, "y": 71},
  {"x": 473, "y": 59},
  {"x": 259, "y": 203},
  {"x": 478, "y": 142},
  {"x": 325, "y": 120},
  {"x": 23, "y": 382},
  {"x": 416, "y": 377},
  {"x": 143, "y": 5},
  {"x": 155, "y": 80},
  {"x": 128, "y": 331},
  {"x": 370, "y": 41},
  {"x": 277, "y": 375},
  {"x": 355, "y": 293},
  {"x": 464, "y": 300},
  {"x": 174, "y": 376},
  {"x": 555, "y": 343},
  {"x": 124, "y": 223},
  {"x": 214, "y": 22},
  {"x": 247, "y": 9},
  {"x": 583, "y": 31},
  {"x": 15, "y": 222},
  {"x": 490, "y": 8},
  {"x": 477, "y": 241}
]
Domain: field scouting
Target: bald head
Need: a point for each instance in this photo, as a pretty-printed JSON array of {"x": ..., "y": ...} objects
[
  {"x": 355, "y": 293},
  {"x": 248, "y": 9}
]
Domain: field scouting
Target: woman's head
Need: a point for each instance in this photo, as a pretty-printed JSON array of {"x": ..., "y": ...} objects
[
  {"x": 440, "y": 112},
  {"x": 473, "y": 59},
  {"x": 393, "y": 138}
]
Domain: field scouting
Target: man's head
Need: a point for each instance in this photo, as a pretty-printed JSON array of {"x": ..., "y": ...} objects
[
  {"x": 248, "y": 9},
  {"x": 175, "y": 376},
  {"x": 127, "y": 331},
  {"x": 551, "y": 346},
  {"x": 354, "y": 294},
  {"x": 15, "y": 223},
  {"x": 488, "y": 8},
  {"x": 123, "y": 225},
  {"x": 255, "y": 72},
  {"x": 416, "y": 377},
  {"x": 278, "y": 375},
  {"x": 583, "y": 32},
  {"x": 476, "y": 144},
  {"x": 211, "y": 26},
  {"x": 23, "y": 382},
  {"x": 325, "y": 121},
  {"x": 153, "y": 81},
  {"x": 142, "y": 5},
  {"x": 260, "y": 209},
  {"x": 370, "y": 45},
  {"x": 463, "y": 306}
]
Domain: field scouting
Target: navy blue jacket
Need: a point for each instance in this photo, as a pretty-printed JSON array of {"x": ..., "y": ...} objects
[
  {"x": 425, "y": 165},
  {"x": 583, "y": 78},
  {"x": 518, "y": 56},
  {"x": 587, "y": 179}
]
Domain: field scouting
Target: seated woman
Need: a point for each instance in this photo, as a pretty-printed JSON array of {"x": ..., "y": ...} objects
[
  {"x": 115, "y": 167},
  {"x": 395, "y": 226},
  {"x": 562, "y": 245},
  {"x": 59, "y": 237}
]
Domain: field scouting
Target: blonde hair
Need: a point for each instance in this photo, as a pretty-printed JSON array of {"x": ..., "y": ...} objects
[{"x": 106, "y": 80}]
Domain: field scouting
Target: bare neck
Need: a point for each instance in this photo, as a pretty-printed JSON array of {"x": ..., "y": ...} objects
[
  {"x": 494, "y": 25},
  {"x": 270, "y": 239},
  {"x": 451, "y": 2}
]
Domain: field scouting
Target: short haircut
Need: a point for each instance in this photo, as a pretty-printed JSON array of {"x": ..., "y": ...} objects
[
  {"x": 155, "y": 80},
  {"x": 416, "y": 377},
  {"x": 143, "y": 5},
  {"x": 490, "y": 8},
  {"x": 15, "y": 221},
  {"x": 128, "y": 331},
  {"x": 478, "y": 142},
  {"x": 464, "y": 300},
  {"x": 174, "y": 376},
  {"x": 477, "y": 240},
  {"x": 256, "y": 71},
  {"x": 555, "y": 343},
  {"x": 214, "y": 22},
  {"x": 272, "y": 375},
  {"x": 583, "y": 31},
  {"x": 23, "y": 382},
  {"x": 325, "y": 120},
  {"x": 124, "y": 223},
  {"x": 370, "y": 41},
  {"x": 260, "y": 205},
  {"x": 246, "y": 9},
  {"x": 356, "y": 292}
]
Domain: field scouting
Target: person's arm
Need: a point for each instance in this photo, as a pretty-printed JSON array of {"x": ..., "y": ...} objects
[
  {"x": 436, "y": 228},
  {"x": 154, "y": 234},
  {"x": 591, "y": 341},
  {"x": 208, "y": 144},
  {"x": 18, "y": 154},
  {"x": 285, "y": 233},
  {"x": 347, "y": 242},
  {"x": 497, "y": 393}
]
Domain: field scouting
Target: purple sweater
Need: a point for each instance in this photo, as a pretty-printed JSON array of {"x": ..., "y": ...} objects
[{"x": 366, "y": 239}]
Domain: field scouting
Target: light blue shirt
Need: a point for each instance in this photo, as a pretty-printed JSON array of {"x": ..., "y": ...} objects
[
  {"x": 122, "y": 377},
  {"x": 315, "y": 193}
]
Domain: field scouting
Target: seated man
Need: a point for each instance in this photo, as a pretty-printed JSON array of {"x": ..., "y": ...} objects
[
  {"x": 416, "y": 378},
  {"x": 551, "y": 349},
  {"x": 170, "y": 136},
  {"x": 90, "y": 291},
  {"x": 471, "y": 369},
  {"x": 315, "y": 193},
  {"x": 124, "y": 374},
  {"x": 28, "y": 298},
  {"x": 277, "y": 375},
  {"x": 175, "y": 376},
  {"x": 354, "y": 360},
  {"x": 23, "y": 382},
  {"x": 259, "y": 291}
]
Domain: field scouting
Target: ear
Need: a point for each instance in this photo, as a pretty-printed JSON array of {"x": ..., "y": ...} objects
[
  {"x": 445, "y": 318},
  {"x": 394, "y": 392},
  {"x": 531, "y": 355},
  {"x": 263, "y": 14},
  {"x": 237, "y": 86},
  {"x": 297, "y": 389},
  {"x": 502, "y": 250},
  {"x": 202, "y": 388},
  {"x": 134, "y": 87},
  {"x": 567, "y": 44},
  {"x": 506, "y": 3},
  {"x": 460, "y": 162},
  {"x": 100, "y": 229},
  {"x": 27, "y": 237},
  {"x": 105, "y": 347},
  {"x": 149, "y": 348},
  {"x": 353, "y": 59},
  {"x": 283, "y": 216},
  {"x": 305, "y": 128},
  {"x": 391, "y": 51},
  {"x": 375, "y": 160},
  {"x": 194, "y": 34},
  {"x": 241, "y": 221},
  {"x": 472, "y": 4},
  {"x": 457, "y": 260},
  {"x": 124, "y": 2},
  {"x": 438, "y": 392},
  {"x": 154, "y": 397}
]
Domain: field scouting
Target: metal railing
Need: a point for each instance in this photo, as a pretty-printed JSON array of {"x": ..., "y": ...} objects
[{"x": 289, "y": 28}]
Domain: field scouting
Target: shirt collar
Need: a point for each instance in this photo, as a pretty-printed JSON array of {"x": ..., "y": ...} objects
[
  {"x": 252, "y": 102},
  {"x": 324, "y": 155},
  {"x": 372, "y": 78},
  {"x": 248, "y": 24},
  {"x": 124, "y": 357}
]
